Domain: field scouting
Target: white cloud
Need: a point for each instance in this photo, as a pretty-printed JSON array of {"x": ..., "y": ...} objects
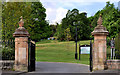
[
  {"x": 55, "y": 15},
  {"x": 60, "y": 14},
  {"x": 50, "y": 14}
]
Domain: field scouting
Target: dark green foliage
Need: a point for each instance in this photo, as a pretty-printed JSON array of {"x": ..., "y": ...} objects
[
  {"x": 53, "y": 29},
  {"x": 117, "y": 46},
  {"x": 60, "y": 32},
  {"x": 11, "y": 13},
  {"x": 68, "y": 34},
  {"x": 111, "y": 19},
  {"x": 7, "y": 49},
  {"x": 83, "y": 28},
  {"x": 8, "y": 53},
  {"x": 34, "y": 19},
  {"x": 40, "y": 29}
]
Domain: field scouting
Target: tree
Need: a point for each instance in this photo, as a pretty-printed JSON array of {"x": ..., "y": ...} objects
[
  {"x": 11, "y": 13},
  {"x": 40, "y": 28},
  {"x": 110, "y": 16},
  {"x": 53, "y": 29},
  {"x": 67, "y": 34},
  {"x": 34, "y": 18},
  {"x": 117, "y": 46},
  {"x": 60, "y": 33},
  {"x": 75, "y": 16}
]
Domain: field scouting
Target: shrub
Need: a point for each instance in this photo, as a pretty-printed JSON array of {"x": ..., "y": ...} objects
[
  {"x": 8, "y": 53},
  {"x": 117, "y": 46}
]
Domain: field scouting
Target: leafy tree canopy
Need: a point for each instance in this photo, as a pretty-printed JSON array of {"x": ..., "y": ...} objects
[
  {"x": 34, "y": 18},
  {"x": 82, "y": 22},
  {"x": 111, "y": 19}
]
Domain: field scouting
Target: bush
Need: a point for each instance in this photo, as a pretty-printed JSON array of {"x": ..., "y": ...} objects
[
  {"x": 117, "y": 46},
  {"x": 117, "y": 54},
  {"x": 8, "y": 53}
]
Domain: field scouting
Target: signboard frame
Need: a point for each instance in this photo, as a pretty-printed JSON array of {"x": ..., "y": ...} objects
[{"x": 84, "y": 46}]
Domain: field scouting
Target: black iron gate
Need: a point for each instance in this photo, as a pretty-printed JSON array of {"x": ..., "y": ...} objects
[
  {"x": 91, "y": 65},
  {"x": 31, "y": 56},
  {"x": 90, "y": 58}
]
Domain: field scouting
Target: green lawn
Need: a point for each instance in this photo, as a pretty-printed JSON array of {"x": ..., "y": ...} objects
[{"x": 55, "y": 51}]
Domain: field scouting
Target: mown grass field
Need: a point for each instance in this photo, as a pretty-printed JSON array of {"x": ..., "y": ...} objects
[{"x": 55, "y": 51}]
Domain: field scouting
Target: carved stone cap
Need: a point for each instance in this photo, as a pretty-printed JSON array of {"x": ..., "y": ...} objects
[
  {"x": 21, "y": 22},
  {"x": 100, "y": 29},
  {"x": 21, "y": 31}
]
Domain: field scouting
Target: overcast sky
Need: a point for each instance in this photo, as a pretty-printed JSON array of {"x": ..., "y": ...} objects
[{"x": 57, "y": 9}]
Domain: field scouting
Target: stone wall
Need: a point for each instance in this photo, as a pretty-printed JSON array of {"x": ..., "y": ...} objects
[
  {"x": 113, "y": 64},
  {"x": 6, "y": 64}
]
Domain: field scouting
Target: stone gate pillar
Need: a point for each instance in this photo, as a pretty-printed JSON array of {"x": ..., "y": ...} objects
[
  {"x": 99, "y": 47},
  {"x": 21, "y": 47}
]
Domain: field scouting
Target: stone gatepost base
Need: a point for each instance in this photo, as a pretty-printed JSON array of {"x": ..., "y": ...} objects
[
  {"x": 100, "y": 67},
  {"x": 22, "y": 68}
]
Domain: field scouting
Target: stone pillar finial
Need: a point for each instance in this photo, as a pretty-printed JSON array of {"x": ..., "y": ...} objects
[
  {"x": 99, "y": 22},
  {"x": 21, "y": 22}
]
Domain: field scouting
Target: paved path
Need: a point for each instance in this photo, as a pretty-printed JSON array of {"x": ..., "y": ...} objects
[
  {"x": 53, "y": 67},
  {"x": 46, "y": 68}
]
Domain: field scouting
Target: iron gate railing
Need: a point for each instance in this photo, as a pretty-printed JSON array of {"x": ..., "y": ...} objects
[
  {"x": 91, "y": 64},
  {"x": 90, "y": 58},
  {"x": 31, "y": 55},
  {"x": 7, "y": 48}
]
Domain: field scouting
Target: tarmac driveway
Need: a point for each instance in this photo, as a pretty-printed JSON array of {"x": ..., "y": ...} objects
[{"x": 53, "y": 67}]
